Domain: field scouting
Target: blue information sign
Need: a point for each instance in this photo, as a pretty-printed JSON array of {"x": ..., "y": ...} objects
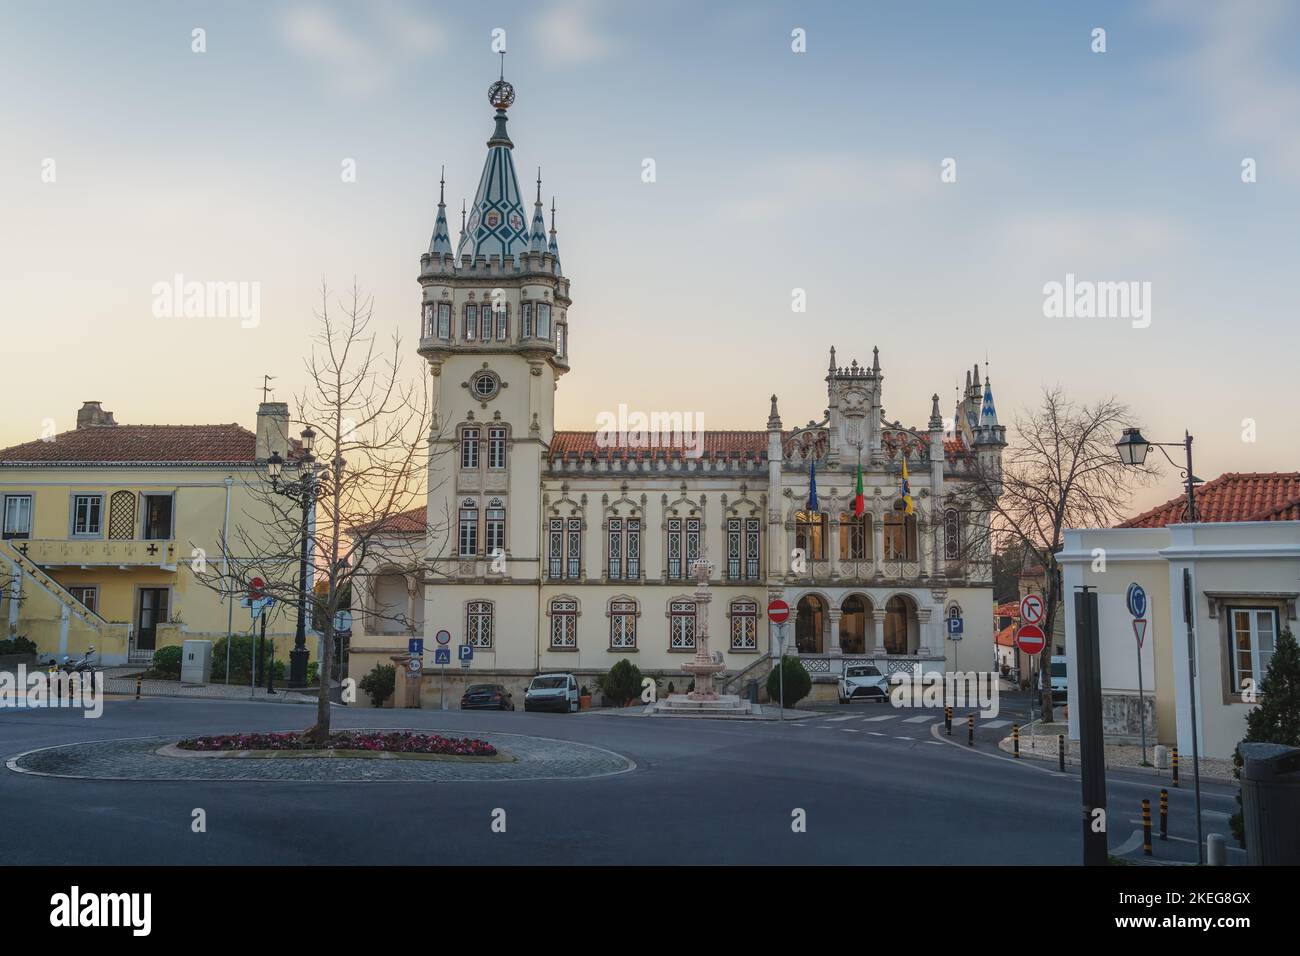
[
  {"x": 415, "y": 646},
  {"x": 1137, "y": 600},
  {"x": 442, "y": 655},
  {"x": 466, "y": 652},
  {"x": 955, "y": 626}
]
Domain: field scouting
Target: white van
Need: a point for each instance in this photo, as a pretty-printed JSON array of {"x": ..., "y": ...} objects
[{"x": 552, "y": 692}]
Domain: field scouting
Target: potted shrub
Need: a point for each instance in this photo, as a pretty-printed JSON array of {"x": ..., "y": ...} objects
[
  {"x": 584, "y": 698},
  {"x": 622, "y": 685}
]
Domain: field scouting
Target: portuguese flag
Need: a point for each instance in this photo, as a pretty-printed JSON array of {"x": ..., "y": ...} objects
[{"x": 859, "y": 506}]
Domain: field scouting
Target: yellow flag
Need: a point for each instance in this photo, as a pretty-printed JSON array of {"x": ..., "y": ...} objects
[{"x": 907, "y": 490}]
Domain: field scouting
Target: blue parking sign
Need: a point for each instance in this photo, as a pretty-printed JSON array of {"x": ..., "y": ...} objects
[
  {"x": 442, "y": 655},
  {"x": 466, "y": 652},
  {"x": 955, "y": 626},
  {"x": 415, "y": 647}
]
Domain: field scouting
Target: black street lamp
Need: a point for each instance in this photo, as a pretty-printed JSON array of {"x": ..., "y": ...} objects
[
  {"x": 1133, "y": 448},
  {"x": 304, "y": 491}
]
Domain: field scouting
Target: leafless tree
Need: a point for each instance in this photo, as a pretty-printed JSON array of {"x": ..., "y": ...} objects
[
  {"x": 368, "y": 466},
  {"x": 1060, "y": 470}
]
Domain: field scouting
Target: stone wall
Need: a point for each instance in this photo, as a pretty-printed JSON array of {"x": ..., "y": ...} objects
[{"x": 1121, "y": 717}]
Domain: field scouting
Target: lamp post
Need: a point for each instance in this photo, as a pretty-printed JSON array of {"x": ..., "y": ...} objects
[
  {"x": 1133, "y": 448},
  {"x": 304, "y": 491}
]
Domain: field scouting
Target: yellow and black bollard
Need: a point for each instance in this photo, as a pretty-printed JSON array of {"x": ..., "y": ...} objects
[
  {"x": 1015, "y": 739},
  {"x": 947, "y": 720},
  {"x": 1060, "y": 750},
  {"x": 1164, "y": 814},
  {"x": 970, "y": 730},
  {"x": 1146, "y": 827},
  {"x": 1175, "y": 765},
  {"x": 139, "y": 679}
]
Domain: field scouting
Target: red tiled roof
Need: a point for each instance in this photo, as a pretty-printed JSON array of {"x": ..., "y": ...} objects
[
  {"x": 138, "y": 444},
  {"x": 1236, "y": 496},
  {"x": 717, "y": 444},
  {"x": 406, "y": 522},
  {"x": 734, "y": 444},
  {"x": 1007, "y": 609}
]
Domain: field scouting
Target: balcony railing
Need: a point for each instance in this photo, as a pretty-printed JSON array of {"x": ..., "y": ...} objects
[{"x": 98, "y": 552}]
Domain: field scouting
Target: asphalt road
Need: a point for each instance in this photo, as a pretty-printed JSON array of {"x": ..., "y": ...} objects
[{"x": 715, "y": 792}]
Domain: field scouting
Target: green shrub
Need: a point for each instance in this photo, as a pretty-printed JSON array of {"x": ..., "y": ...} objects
[
  {"x": 622, "y": 683},
  {"x": 167, "y": 663},
  {"x": 241, "y": 659},
  {"x": 17, "y": 645},
  {"x": 378, "y": 684},
  {"x": 798, "y": 684},
  {"x": 1276, "y": 719}
]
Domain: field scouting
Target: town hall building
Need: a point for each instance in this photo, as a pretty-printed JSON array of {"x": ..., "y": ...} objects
[{"x": 556, "y": 550}]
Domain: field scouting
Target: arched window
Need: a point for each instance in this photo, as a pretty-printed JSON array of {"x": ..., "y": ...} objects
[
  {"x": 683, "y": 546},
  {"x": 810, "y": 534},
  {"x": 742, "y": 549},
  {"x": 681, "y": 625},
  {"x": 896, "y": 626},
  {"x": 564, "y": 624},
  {"x": 810, "y": 618},
  {"x": 478, "y": 623},
  {"x": 951, "y": 535},
  {"x": 853, "y": 625},
  {"x": 855, "y": 537},
  {"x": 623, "y": 552},
  {"x": 495, "y": 527},
  {"x": 900, "y": 537},
  {"x": 622, "y": 624},
  {"x": 744, "y": 625}
]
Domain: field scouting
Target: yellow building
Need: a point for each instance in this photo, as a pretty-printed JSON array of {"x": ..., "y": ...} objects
[{"x": 109, "y": 531}]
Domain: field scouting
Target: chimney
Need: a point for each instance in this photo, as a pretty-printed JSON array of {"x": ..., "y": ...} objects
[
  {"x": 272, "y": 430},
  {"x": 91, "y": 414}
]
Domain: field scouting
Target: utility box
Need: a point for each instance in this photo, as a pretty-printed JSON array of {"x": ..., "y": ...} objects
[
  {"x": 1270, "y": 803},
  {"x": 196, "y": 662}
]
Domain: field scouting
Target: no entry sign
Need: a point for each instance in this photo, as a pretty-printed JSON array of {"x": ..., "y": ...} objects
[
  {"x": 778, "y": 612},
  {"x": 1030, "y": 639}
]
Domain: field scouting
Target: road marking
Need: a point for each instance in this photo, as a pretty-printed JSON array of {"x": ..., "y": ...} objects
[
  {"x": 1129, "y": 845},
  {"x": 874, "y": 734},
  {"x": 938, "y": 743},
  {"x": 896, "y": 737},
  {"x": 992, "y": 724},
  {"x": 849, "y": 730},
  {"x": 918, "y": 720},
  {"x": 884, "y": 717},
  {"x": 836, "y": 720}
]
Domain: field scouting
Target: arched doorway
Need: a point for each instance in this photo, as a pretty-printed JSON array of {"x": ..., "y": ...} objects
[
  {"x": 898, "y": 629},
  {"x": 853, "y": 625},
  {"x": 809, "y": 621}
]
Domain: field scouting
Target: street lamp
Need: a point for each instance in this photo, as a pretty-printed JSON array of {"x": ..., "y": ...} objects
[
  {"x": 303, "y": 491},
  {"x": 1133, "y": 448}
]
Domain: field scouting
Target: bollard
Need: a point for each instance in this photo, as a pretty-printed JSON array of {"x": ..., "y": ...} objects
[
  {"x": 970, "y": 730},
  {"x": 1175, "y": 766},
  {"x": 139, "y": 679},
  {"x": 1015, "y": 739},
  {"x": 1216, "y": 850},
  {"x": 947, "y": 720},
  {"x": 1060, "y": 750},
  {"x": 1164, "y": 814},
  {"x": 1146, "y": 827}
]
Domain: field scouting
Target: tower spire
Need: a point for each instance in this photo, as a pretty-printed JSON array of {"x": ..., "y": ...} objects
[
  {"x": 537, "y": 235},
  {"x": 496, "y": 225},
  {"x": 554, "y": 247},
  {"x": 440, "y": 244}
]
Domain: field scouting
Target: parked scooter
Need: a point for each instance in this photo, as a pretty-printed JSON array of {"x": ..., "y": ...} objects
[{"x": 82, "y": 666}]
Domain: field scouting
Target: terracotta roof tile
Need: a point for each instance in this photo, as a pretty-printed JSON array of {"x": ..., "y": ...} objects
[
  {"x": 717, "y": 444},
  {"x": 138, "y": 444},
  {"x": 1236, "y": 496},
  {"x": 405, "y": 522}
]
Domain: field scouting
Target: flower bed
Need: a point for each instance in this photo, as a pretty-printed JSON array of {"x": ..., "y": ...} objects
[{"x": 402, "y": 742}]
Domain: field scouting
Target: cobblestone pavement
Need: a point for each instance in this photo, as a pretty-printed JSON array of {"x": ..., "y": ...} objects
[
  {"x": 121, "y": 680},
  {"x": 537, "y": 758}
]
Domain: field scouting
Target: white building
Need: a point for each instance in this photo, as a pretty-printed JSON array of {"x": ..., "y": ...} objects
[
  {"x": 1244, "y": 562},
  {"x": 563, "y": 550}
]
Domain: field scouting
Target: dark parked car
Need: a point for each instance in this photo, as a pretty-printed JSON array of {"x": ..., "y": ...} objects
[{"x": 486, "y": 696}]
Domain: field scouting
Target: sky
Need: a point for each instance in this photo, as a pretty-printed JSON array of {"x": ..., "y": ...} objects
[{"x": 131, "y": 158}]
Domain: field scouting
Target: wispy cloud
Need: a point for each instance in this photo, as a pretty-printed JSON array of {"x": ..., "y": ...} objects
[
  {"x": 569, "y": 32},
  {"x": 1242, "y": 63},
  {"x": 363, "y": 53}
]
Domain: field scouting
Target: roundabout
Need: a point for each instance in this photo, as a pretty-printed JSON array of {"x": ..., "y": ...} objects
[{"x": 157, "y": 759}]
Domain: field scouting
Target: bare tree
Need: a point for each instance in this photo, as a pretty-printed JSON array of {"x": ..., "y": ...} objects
[
  {"x": 1061, "y": 470},
  {"x": 362, "y": 464}
]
